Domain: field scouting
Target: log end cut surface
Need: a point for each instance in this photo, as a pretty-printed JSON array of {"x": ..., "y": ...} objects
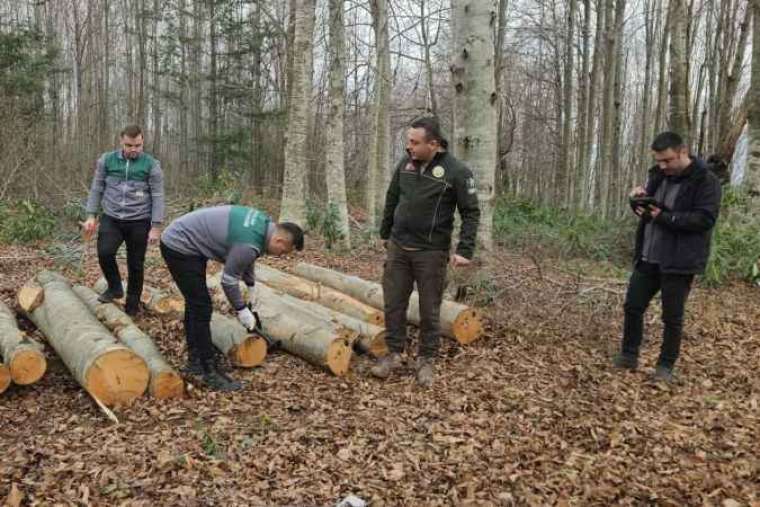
[
  {"x": 377, "y": 319},
  {"x": 250, "y": 353},
  {"x": 117, "y": 378},
  {"x": 468, "y": 326},
  {"x": 167, "y": 385},
  {"x": 5, "y": 377},
  {"x": 30, "y": 297},
  {"x": 338, "y": 356},
  {"x": 27, "y": 367}
]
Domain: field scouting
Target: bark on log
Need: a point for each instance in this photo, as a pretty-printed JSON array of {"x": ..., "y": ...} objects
[
  {"x": 22, "y": 355},
  {"x": 109, "y": 371},
  {"x": 325, "y": 296},
  {"x": 316, "y": 340},
  {"x": 5, "y": 378},
  {"x": 370, "y": 339},
  {"x": 165, "y": 382},
  {"x": 459, "y": 321},
  {"x": 227, "y": 334}
]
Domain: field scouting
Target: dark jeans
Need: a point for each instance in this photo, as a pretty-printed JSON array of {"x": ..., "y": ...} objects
[
  {"x": 402, "y": 269},
  {"x": 645, "y": 281},
  {"x": 189, "y": 273},
  {"x": 111, "y": 234}
]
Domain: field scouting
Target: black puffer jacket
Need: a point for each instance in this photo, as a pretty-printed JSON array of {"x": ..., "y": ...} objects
[
  {"x": 687, "y": 226},
  {"x": 420, "y": 205}
]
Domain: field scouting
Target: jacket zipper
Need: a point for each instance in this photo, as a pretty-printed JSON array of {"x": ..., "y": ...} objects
[
  {"x": 124, "y": 191},
  {"x": 435, "y": 214}
]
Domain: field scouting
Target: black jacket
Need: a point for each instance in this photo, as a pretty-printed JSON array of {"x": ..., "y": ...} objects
[
  {"x": 420, "y": 205},
  {"x": 687, "y": 226}
]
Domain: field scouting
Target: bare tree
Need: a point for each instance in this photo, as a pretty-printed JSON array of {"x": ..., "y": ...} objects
[
  {"x": 297, "y": 158},
  {"x": 753, "y": 161},
  {"x": 475, "y": 105},
  {"x": 335, "y": 152},
  {"x": 679, "y": 70}
]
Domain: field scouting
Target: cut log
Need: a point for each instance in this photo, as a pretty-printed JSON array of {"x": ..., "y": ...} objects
[
  {"x": 325, "y": 296},
  {"x": 155, "y": 300},
  {"x": 370, "y": 338},
  {"x": 241, "y": 347},
  {"x": 23, "y": 356},
  {"x": 317, "y": 340},
  {"x": 227, "y": 334},
  {"x": 108, "y": 370},
  {"x": 165, "y": 382},
  {"x": 458, "y": 321},
  {"x": 5, "y": 378}
]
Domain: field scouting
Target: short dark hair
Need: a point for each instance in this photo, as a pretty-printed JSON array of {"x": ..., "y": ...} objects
[
  {"x": 666, "y": 140},
  {"x": 132, "y": 131},
  {"x": 295, "y": 232},
  {"x": 432, "y": 128}
]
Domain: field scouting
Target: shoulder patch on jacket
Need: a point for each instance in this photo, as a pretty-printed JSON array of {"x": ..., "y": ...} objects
[{"x": 472, "y": 188}]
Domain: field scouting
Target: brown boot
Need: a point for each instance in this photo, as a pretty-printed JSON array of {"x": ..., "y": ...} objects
[
  {"x": 386, "y": 365},
  {"x": 425, "y": 371}
]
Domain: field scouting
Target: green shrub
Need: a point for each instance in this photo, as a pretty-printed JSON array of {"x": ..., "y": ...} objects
[
  {"x": 522, "y": 224},
  {"x": 25, "y": 221},
  {"x": 325, "y": 221},
  {"x": 736, "y": 239}
]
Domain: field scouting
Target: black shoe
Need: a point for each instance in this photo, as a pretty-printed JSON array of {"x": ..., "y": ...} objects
[
  {"x": 110, "y": 294},
  {"x": 625, "y": 362},
  {"x": 193, "y": 367},
  {"x": 219, "y": 381},
  {"x": 132, "y": 306}
]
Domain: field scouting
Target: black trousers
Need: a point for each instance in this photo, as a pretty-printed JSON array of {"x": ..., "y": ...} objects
[
  {"x": 402, "y": 269},
  {"x": 111, "y": 234},
  {"x": 189, "y": 273},
  {"x": 645, "y": 282}
]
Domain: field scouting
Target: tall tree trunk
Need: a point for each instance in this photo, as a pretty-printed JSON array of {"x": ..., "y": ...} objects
[
  {"x": 753, "y": 159},
  {"x": 380, "y": 144},
  {"x": 566, "y": 160},
  {"x": 679, "y": 70},
  {"x": 662, "y": 83},
  {"x": 213, "y": 110},
  {"x": 475, "y": 102},
  {"x": 649, "y": 43},
  {"x": 425, "y": 33},
  {"x": 156, "y": 92},
  {"x": 297, "y": 157},
  {"x": 335, "y": 150}
]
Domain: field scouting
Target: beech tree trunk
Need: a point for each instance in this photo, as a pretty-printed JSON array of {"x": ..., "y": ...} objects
[
  {"x": 165, "y": 382},
  {"x": 458, "y": 321},
  {"x": 22, "y": 355},
  {"x": 109, "y": 371}
]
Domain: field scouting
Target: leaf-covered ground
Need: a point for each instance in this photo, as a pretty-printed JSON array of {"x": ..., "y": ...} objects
[{"x": 530, "y": 415}]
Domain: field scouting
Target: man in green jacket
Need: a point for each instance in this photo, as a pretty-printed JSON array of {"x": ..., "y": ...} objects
[
  {"x": 235, "y": 236},
  {"x": 428, "y": 186},
  {"x": 129, "y": 187}
]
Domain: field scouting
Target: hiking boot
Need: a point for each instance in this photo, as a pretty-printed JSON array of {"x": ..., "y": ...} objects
[
  {"x": 219, "y": 381},
  {"x": 132, "y": 306},
  {"x": 625, "y": 362},
  {"x": 386, "y": 365},
  {"x": 664, "y": 373},
  {"x": 425, "y": 371},
  {"x": 110, "y": 294},
  {"x": 192, "y": 367}
]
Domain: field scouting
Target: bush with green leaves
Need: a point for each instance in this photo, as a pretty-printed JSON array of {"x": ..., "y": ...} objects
[
  {"x": 736, "y": 239},
  {"x": 522, "y": 224},
  {"x": 225, "y": 186},
  {"x": 25, "y": 221},
  {"x": 325, "y": 221}
]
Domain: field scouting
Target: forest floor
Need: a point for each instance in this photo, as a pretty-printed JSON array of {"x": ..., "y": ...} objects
[{"x": 532, "y": 414}]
